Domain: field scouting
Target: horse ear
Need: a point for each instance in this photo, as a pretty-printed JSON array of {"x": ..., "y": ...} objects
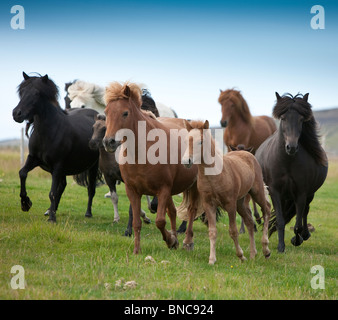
[
  {"x": 44, "y": 78},
  {"x": 100, "y": 117},
  {"x": 220, "y": 90},
  {"x": 305, "y": 97},
  {"x": 187, "y": 125},
  {"x": 25, "y": 75},
  {"x": 206, "y": 124},
  {"x": 278, "y": 96},
  {"x": 127, "y": 92},
  {"x": 232, "y": 148},
  {"x": 249, "y": 149}
]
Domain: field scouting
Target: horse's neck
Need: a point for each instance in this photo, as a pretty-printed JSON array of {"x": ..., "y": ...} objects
[
  {"x": 237, "y": 120},
  {"x": 211, "y": 152},
  {"x": 46, "y": 120}
]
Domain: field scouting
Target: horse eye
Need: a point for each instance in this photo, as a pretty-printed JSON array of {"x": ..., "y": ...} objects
[
  {"x": 282, "y": 118},
  {"x": 125, "y": 114}
]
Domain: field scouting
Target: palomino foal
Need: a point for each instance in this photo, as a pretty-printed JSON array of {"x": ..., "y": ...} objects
[{"x": 240, "y": 175}]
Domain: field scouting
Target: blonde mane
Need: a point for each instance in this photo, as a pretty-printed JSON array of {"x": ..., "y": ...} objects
[
  {"x": 238, "y": 100},
  {"x": 82, "y": 88},
  {"x": 117, "y": 91}
]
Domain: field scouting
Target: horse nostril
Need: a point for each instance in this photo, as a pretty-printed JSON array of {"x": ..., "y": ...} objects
[
  {"x": 288, "y": 148},
  {"x": 224, "y": 123},
  {"x": 83, "y": 106}
]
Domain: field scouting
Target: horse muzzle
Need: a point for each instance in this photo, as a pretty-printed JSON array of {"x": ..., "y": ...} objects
[
  {"x": 224, "y": 123},
  {"x": 291, "y": 150},
  {"x": 110, "y": 144},
  {"x": 18, "y": 116},
  {"x": 187, "y": 163}
]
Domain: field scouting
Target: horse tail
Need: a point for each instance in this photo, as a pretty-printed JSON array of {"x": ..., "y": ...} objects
[
  {"x": 204, "y": 217},
  {"x": 191, "y": 200},
  {"x": 82, "y": 179},
  {"x": 288, "y": 214}
]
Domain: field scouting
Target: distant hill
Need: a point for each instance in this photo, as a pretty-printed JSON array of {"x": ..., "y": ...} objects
[
  {"x": 328, "y": 124},
  {"x": 327, "y": 119}
]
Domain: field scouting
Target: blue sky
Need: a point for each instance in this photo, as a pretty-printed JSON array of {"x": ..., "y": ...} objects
[{"x": 184, "y": 51}]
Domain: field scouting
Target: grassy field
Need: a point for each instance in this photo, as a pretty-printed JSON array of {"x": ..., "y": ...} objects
[{"x": 80, "y": 258}]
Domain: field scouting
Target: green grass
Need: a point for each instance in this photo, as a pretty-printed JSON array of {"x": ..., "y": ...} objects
[{"x": 80, "y": 258}]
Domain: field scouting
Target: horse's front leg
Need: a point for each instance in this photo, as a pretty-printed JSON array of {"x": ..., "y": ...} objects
[
  {"x": 30, "y": 164},
  {"x": 135, "y": 201},
  {"x": 297, "y": 240},
  {"x": 279, "y": 219},
  {"x": 173, "y": 242},
  {"x": 59, "y": 183}
]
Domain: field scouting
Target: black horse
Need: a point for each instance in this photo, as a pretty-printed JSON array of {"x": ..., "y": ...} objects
[
  {"x": 58, "y": 143},
  {"x": 294, "y": 166}
]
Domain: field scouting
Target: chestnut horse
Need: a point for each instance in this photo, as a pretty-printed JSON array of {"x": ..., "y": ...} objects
[
  {"x": 141, "y": 173},
  {"x": 241, "y": 127},
  {"x": 240, "y": 175}
]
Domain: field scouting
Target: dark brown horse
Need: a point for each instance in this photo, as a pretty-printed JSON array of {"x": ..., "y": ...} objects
[
  {"x": 294, "y": 166},
  {"x": 149, "y": 165},
  {"x": 241, "y": 127}
]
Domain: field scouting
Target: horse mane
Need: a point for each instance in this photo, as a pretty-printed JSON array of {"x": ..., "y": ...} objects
[
  {"x": 240, "y": 103},
  {"x": 47, "y": 89},
  {"x": 309, "y": 137},
  {"x": 117, "y": 91},
  {"x": 80, "y": 87}
]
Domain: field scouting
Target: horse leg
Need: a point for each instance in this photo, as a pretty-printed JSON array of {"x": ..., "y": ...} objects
[
  {"x": 60, "y": 189},
  {"x": 183, "y": 227},
  {"x": 111, "y": 182},
  {"x": 91, "y": 188},
  {"x": 129, "y": 231},
  {"x": 163, "y": 201},
  {"x": 246, "y": 215},
  {"x": 279, "y": 219},
  {"x": 58, "y": 186},
  {"x": 297, "y": 240},
  {"x": 144, "y": 217},
  {"x": 233, "y": 231},
  {"x": 265, "y": 206},
  {"x": 30, "y": 164},
  {"x": 211, "y": 216},
  {"x": 135, "y": 201},
  {"x": 306, "y": 233},
  {"x": 172, "y": 216},
  {"x": 256, "y": 214},
  {"x": 188, "y": 243}
]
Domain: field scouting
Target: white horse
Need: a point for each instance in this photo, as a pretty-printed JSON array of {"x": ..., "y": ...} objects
[{"x": 89, "y": 95}]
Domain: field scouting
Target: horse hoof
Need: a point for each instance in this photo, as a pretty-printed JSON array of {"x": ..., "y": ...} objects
[
  {"x": 88, "y": 215},
  {"x": 146, "y": 220},
  {"x": 297, "y": 240},
  {"x": 188, "y": 246},
  {"x": 52, "y": 217},
  {"x": 127, "y": 233},
  {"x": 26, "y": 204},
  {"x": 267, "y": 256},
  {"x": 174, "y": 244}
]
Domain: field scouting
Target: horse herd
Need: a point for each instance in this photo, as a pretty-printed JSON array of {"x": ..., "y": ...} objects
[{"x": 287, "y": 163}]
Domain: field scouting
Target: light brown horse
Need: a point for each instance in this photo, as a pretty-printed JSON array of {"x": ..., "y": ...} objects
[
  {"x": 241, "y": 127},
  {"x": 240, "y": 175},
  {"x": 147, "y": 160}
]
